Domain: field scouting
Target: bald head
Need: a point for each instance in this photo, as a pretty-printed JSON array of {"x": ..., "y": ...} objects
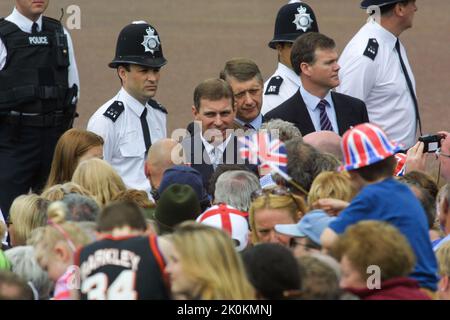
[
  {"x": 163, "y": 154},
  {"x": 325, "y": 141}
]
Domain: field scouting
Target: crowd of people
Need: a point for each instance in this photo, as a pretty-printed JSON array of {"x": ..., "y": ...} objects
[{"x": 351, "y": 210}]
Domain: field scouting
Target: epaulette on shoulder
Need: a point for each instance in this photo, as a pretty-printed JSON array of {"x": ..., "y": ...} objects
[
  {"x": 114, "y": 111},
  {"x": 7, "y": 27},
  {"x": 273, "y": 87},
  {"x": 52, "y": 23},
  {"x": 371, "y": 49},
  {"x": 156, "y": 105}
]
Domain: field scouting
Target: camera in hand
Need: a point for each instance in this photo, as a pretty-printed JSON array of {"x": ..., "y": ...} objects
[{"x": 431, "y": 142}]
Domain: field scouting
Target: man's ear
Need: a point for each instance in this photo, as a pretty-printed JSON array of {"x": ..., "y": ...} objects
[
  {"x": 305, "y": 68},
  {"x": 445, "y": 206},
  {"x": 195, "y": 112},
  {"x": 147, "y": 169},
  {"x": 399, "y": 9},
  {"x": 122, "y": 73}
]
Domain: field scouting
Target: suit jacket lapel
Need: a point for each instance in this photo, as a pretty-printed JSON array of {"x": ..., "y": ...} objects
[
  {"x": 300, "y": 112},
  {"x": 342, "y": 116}
]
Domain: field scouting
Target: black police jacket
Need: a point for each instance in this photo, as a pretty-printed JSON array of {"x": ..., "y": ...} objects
[{"x": 35, "y": 76}]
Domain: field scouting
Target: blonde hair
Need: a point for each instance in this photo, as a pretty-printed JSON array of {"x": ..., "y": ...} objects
[
  {"x": 58, "y": 191},
  {"x": 328, "y": 184},
  {"x": 27, "y": 212},
  {"x": 71, "y": 146},
  {"x": 45, "y": 238},
  {"x": 294, "y": 204},
  {"x": 443, "y": 257},
  {"x": 208, "y": 255},
  {"x": 99, "y": 178}
]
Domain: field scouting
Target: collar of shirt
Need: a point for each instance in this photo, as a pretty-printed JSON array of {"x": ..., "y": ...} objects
[
  {"x": 210, "y": 147},
  {"x": 312, "y": 101},
  {"x": 256, "y": 123},
  {"x": 23, "y": 22},
  {"x": 132, "y": 103},
  {"x": 288, "y": 72},
  {"x": 384, "y": 35}
]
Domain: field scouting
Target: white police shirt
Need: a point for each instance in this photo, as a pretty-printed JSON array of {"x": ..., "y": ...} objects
[
  {"x": 118, "y": 123},
  {"x": 25, "y": 25},
  {"x": 371, "y": 71},
  {"x": 282, "y": 85}
]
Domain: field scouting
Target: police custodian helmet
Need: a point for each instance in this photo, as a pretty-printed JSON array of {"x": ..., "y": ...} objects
[
  {"x": 293, "y": 20},
  {"x": 139, "y": 43},
  {"x": 367, "y": 3}
]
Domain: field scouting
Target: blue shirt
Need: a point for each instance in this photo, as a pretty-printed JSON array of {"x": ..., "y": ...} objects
[
  {"x": 393, "y": 202},
  {"x": 312, "y": 103},
  {"x": 255, "y": 123}
]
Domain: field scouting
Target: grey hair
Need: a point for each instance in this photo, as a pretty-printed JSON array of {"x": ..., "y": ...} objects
[
  {"x": 80, "y": 208},
  {"x": 285, "y": 130},
  {"x": 235, "y": 189},
  {"x": 24, "y": 264}
]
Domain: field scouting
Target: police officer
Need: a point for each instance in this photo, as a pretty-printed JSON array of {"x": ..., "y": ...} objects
[
  {"x": 293, "y": 20},
  {"x": 375, "y": 69},
  {"x": 38, "y": 93},
  {"x": 132, "y": 120}
]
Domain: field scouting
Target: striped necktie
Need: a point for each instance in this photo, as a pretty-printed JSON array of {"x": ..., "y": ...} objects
[{"x": 325, "y": 123}]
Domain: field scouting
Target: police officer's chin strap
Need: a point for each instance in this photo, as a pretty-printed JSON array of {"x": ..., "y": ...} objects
[{"x": 62, "y": 15}]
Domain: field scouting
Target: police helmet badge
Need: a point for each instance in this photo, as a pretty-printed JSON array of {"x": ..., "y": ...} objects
[
  {"x": 151, "y": 41},
  {"x": 303, "y": 20}
]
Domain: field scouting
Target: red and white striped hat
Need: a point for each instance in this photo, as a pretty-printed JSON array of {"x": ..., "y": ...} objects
[
  {"x": 366, "y": 144},
  {"x": 229, "y": 219}
]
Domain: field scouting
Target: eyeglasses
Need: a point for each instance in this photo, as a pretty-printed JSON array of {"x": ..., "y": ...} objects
[
  {"x": 439, "y": 153},
  {"x": 274, "y": 191}
]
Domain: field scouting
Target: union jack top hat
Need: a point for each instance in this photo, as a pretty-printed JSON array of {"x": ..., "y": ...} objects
[
  {"x": 230, "y": 220},
  {"x": 366, "y": 144}
]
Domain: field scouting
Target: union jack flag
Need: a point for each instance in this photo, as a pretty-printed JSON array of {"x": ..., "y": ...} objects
[
  {"x": 364, "y": 145},
  {"x": 401, "y": 161},
  {"x": 263, "y": 150}
]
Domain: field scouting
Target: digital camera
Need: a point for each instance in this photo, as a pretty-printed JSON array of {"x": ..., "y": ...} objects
[{"x": 431, "y": 142}]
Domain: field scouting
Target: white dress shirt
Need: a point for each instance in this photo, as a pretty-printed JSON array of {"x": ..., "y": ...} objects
[
  {"x": 124, "y": 146},
  {"x": 25, "y": 25},
  {"x": 289, "y": 86},
  {"x": 215, "y": 152},
  {"x": 312, "y": 103},
  {"x": 380, "y": 83}
]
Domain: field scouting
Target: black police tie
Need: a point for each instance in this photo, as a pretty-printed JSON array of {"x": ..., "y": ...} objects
[
  {"x": 410, "y": 86},
  {"x": 34, "y": 28},
  {"x": 145, "y": 130}
]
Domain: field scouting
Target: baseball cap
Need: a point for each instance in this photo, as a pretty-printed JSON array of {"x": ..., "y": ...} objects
[
  {"x": 229, "y": 219},
  {"x": 184, "y": 175},
  {"x": 311, "y": 225}
]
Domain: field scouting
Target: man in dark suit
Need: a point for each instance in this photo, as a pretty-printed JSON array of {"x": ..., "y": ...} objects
[
  {"x": 246, "y": 81},
  {"x": 216, "y": 143},
  {"x": 314, "y": 107}
]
